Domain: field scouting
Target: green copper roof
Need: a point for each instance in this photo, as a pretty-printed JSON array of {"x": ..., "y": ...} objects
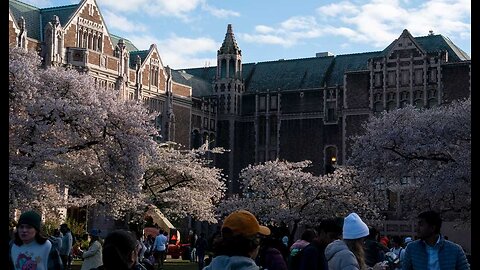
[
  {"x": 229, "y": 45},
  {"x": 347, "y": 62},
  {"x": 433, "y": 44},
  {"x": 31, "y": 15},
  {"x": 200, "y": 86},
  {"x": 436, "y": 43},
  {"x": 36, "y": 18},
  {"x": 133, "y": 57},
  {"x": 128, "y": 43},
  {"x": 289, "y": 74},
  {"x": 64, "y": 13}
]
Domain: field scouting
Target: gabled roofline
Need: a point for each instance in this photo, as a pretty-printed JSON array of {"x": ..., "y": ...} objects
[
  {"x": 153, "y": 47},
  {"x": 15, "y": 23},
  {"x": 405, "y": 32},
  {"x": 80, "y": 7}
]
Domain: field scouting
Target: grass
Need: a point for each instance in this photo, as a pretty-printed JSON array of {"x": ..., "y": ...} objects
[{"x": 170, "y": 264}]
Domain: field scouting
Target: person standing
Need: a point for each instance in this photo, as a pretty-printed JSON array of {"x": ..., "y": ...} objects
[
  {"x": 397, "y": 249},
  {"x": 201, "y": 247},
  {"x": 160, "y": 249},
  {"x": 56, "y": 239},
  {"x": 349, "y": 253},
  {"x": 31, "y": 250},
  {"x": 67, "y": 243},
  {"x": 192, "y": 241},
  {"x": 270, "y": 256},
  {"x": 313, "y": 255},
  {"x": 374, "y": 250},
  {"x": 239, "y": 242},
  {"x": 431, "y": 251},
  {"x": 120, "y": 252},
  {"x": 92, "y": 257}
]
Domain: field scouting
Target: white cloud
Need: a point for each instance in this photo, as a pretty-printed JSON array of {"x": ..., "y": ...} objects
[
  {"x": 219, "y": 12},
  {"x": 298, "y": 23},
  {"x": 376, "y": 22},
  {"x": 169, "y": 8},
  {"x": 263, "y": 29},
  {"x": 123, "y": 5},
  {"x": 115, "y": 21},
  {"x": 180, "y": 52},
  {"x": 342, "y": 8},
  {"x": 177, "y": 8},
  {"x": 267, "y": 39}
]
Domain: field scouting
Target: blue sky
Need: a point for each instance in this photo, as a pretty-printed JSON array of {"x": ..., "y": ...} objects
[{"x": 188, "y": 33}]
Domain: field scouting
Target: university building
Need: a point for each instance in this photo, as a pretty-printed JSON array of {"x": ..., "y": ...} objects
[{"x": 294, "y": 109}]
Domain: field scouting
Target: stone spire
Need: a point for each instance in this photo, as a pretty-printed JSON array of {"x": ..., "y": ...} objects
[{"x": 229, "y": 45}]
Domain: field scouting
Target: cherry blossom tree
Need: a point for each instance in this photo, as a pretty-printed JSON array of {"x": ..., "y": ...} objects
[
  {"x": 422, "y": 155},
  {"x": 281, "y": 192},
  {"x": 66, "y": 132},
  {"x": 184, "y": 182}
]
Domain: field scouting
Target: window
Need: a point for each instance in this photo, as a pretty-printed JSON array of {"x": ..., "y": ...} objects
[
  {"x": 272, "y": 155},
  {"x": 391, "y": 105},
  {"x": 261, "y": 103},
  {"x": 330, "y": 159},
  {"x": 405, "y": 77},
  {"x": 418, "y": 76},
  {"x": 273, "y": 102},
  {"x": 331, "y": 113},
  {"x": 273, "y": 131},
  {"x": 154, "y": 75},
  {"x": 433, "y": 75},
  {"x": 392, "y": 76},
  {"x": 378, "y": 107},
  {"x": 432, "y": 103},
  {"x": 418, "y": 103},
  {"x": 261, "y": 130},
  {"x": 205, "y": 122},
  {"x": 378, "y": 79}
]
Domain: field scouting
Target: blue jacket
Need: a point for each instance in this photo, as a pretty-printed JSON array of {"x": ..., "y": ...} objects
[
  {"x": 223, "y": 262},
  {"x": 450, "y": 256}
]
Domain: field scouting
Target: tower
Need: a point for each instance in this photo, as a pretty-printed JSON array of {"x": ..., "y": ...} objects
[
  {"x": 228, "y": 84},
  {"x": 228, "y": 88}
]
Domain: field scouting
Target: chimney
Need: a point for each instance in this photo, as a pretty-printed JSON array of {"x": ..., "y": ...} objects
[{"x": 324, "y": 54}]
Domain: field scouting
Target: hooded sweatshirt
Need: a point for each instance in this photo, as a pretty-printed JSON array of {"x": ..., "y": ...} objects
[
  {"x": 223, "y": 262},
  {"x": 340, "y": 257}
]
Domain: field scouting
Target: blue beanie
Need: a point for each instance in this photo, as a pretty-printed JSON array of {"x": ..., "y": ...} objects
[
  {"x": 31, "y": 218},
  {"x": 354, "y": 227}
]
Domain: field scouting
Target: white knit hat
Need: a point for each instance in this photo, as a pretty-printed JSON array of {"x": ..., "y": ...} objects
[{"x": 354, "y": 227}]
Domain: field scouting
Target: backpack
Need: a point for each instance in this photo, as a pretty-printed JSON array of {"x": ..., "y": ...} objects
[{"x": 294, "y": 258}]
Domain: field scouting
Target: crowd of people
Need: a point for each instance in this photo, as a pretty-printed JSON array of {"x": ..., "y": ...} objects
[{"x": 244, "y": 244}]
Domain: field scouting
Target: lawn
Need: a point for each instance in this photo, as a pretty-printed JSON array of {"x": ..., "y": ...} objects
[{"x": 170, "y": 264}]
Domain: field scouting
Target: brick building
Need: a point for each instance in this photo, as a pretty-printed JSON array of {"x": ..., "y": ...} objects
[{"x": 293, "y": 109}]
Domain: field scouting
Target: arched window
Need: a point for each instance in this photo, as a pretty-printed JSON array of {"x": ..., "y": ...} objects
[
  {"x": 90, "y": 41},
  {"x": 432, "y": 103},
  {"x": 196, "y": 139},
  {"x": 418, "y": 103},
  {"x": 330, "y": 159},
  {"x": 391, "y": 105},
  {"x": 99, "y": 42},
  {"x": 95, "y": 43},
  {"x": 223, "y": 70},
  {"x": 85, "y": 40}
]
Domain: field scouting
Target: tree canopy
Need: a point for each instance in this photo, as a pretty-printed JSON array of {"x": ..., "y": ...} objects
[
  {"x": 424, "y": 155},
  {"x": 281, "y": 192},
  {"x": 65, "y": 132}
]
